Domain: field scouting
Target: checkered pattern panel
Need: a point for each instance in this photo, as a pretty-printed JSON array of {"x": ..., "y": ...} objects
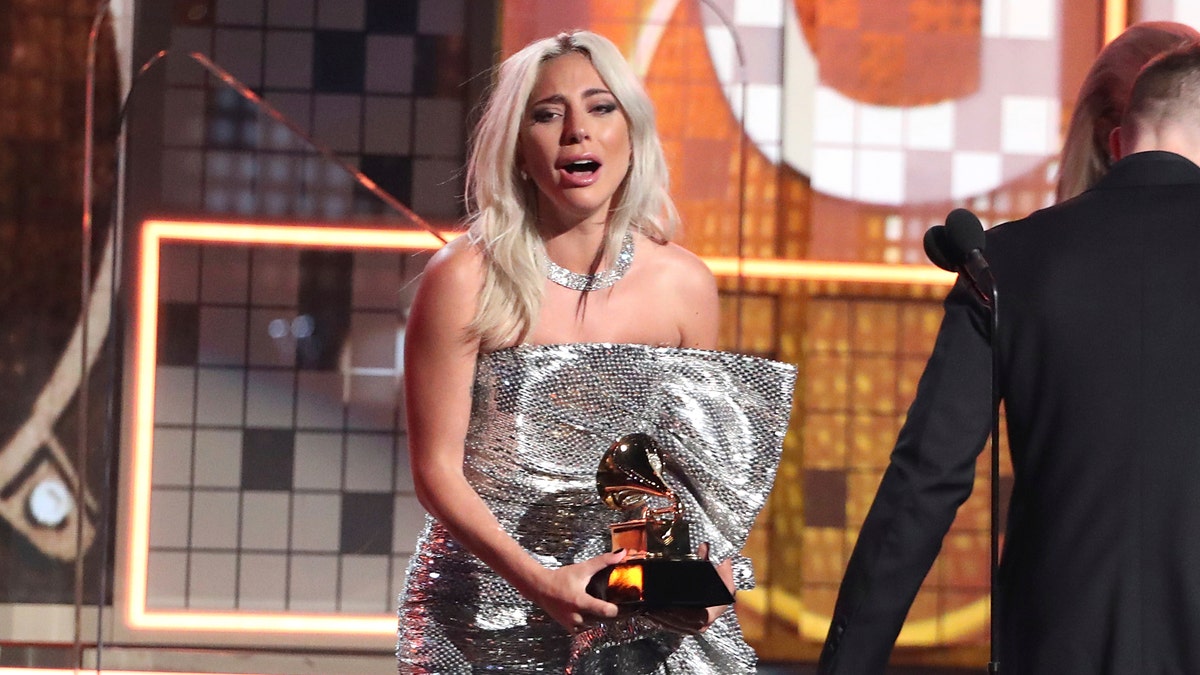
[
  {"x": 893, "y": 155},
  {"x": 280, "y": 471},
  {"x": 863, "y": 359},
  {"x": 377, "y": 82}
]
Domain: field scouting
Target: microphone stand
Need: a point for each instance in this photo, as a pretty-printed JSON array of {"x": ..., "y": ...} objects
[
  {"x": 946, "y": 251},
  {"x": 994, "y": 661},
  {"x": 743, "y": 159}
]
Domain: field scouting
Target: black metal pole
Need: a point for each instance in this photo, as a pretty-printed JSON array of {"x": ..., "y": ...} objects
[{"x": 994, "y": 662}]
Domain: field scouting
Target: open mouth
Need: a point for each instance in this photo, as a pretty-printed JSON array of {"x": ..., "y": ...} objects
[{"x": 582, "y": 166}]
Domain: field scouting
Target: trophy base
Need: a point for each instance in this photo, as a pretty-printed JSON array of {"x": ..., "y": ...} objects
[{"x": 661, "y": 583}]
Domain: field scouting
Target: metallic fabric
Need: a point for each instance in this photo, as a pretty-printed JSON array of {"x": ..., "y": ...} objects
[{"x": 542, "y": 417}]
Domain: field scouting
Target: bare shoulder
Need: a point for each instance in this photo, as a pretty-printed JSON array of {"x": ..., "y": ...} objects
[
  {"x": 680, "y": 269},
  {"x": 447, "y": 295},
  {"x": 686, "y": 289},
  {"x": 456, "y": 268}
]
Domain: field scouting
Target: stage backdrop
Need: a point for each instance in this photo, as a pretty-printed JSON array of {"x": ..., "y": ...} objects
[{"x": 275, "y": 481}]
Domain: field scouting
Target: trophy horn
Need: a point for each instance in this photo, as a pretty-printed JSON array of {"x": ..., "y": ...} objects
[{"x": 630, "y": 471}]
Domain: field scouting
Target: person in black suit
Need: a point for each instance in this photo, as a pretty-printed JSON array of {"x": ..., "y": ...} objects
[{"x": 1099, "y": 357}]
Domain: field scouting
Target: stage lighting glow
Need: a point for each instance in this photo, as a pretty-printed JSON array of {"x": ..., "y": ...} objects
[{"x": 156, "y": 232}]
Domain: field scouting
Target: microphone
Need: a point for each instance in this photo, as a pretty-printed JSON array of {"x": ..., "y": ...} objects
[
  {"x": 958, "y": 246},
  {"x": 936, "y": 246}
]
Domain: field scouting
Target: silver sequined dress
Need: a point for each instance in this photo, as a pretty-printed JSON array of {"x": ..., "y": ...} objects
[{"x": 541, "y": 418}]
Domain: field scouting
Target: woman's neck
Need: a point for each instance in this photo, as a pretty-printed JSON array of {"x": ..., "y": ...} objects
[{"x": 576, "y": 248}]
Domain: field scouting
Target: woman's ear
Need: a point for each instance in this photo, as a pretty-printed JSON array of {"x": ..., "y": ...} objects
[{"x": 1114, "y": 144}]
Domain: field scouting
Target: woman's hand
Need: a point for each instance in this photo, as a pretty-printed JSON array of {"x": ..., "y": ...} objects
[
  {"x": 563, "y": 592},
  {"x": 695, "y": 620}
]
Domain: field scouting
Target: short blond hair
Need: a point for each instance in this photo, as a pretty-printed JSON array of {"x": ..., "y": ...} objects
[
  {"x": 1104, "y": 96},
  {"x": 1167, "y": 91}
]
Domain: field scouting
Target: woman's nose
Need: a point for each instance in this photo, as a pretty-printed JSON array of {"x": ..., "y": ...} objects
[{"x": 573, "y": 132}]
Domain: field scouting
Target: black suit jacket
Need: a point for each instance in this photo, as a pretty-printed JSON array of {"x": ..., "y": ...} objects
[{"x": 1099, "y": 349}]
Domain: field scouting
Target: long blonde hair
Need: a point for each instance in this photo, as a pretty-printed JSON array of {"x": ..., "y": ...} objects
[
  {"x": 1103, "y": 97},
  {"x": 501, "y": 207}
]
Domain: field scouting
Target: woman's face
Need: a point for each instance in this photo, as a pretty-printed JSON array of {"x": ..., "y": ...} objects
[{"x": 574, "y": 142}]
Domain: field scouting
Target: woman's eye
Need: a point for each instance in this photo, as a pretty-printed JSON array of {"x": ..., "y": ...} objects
[
  {"x": 544, "y": 115},
  {"x": 605, "y": 108}
]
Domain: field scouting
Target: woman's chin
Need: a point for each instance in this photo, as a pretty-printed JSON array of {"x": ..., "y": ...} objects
[{"x": 572, "y": 211}]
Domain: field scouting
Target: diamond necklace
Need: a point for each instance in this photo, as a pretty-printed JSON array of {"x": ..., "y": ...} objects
[{"x": 593, "y": 282}]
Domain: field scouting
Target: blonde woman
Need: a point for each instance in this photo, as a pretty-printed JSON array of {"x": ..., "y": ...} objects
[{"x": 564, "y": 319}]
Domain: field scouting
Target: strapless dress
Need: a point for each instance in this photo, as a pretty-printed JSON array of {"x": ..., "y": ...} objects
[{"x": 542, "y": 416}]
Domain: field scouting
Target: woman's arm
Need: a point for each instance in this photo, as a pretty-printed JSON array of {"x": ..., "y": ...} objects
[{"x": 439, "y": 367}]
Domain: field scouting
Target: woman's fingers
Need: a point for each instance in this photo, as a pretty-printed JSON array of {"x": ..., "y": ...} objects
[
  {"x": 585, "y": 602},
  {"x": 597, "y": 607},
  {"x": 725, "y": 571},
  {"x": 592, "y": 565}
]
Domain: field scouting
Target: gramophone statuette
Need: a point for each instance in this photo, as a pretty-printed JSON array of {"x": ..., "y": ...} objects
[{"x": 660, "y": 568}]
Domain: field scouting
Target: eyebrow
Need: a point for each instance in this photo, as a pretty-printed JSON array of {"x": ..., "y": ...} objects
[{"x": 559, "y": 98}]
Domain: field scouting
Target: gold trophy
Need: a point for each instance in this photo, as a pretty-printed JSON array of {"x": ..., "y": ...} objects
[{"x": 659, "y": 569}]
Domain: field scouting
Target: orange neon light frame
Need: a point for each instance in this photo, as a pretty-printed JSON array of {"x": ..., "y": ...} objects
[
  {"x": 155, "y": 232},
  {"x": 137, "y": 615},
  {"x": 820, "y": 270},
  {"x": 108, "y": 671}
]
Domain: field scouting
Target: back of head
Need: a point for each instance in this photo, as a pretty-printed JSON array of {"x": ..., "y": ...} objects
[
  {"x": 1104, "y": 96},
  {"x": 1164, "y": 105}
]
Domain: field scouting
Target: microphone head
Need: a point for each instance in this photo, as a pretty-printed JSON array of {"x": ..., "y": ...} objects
[
  {"x": 935, "y": 247},
  {"x": 964, "y": 233}
]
